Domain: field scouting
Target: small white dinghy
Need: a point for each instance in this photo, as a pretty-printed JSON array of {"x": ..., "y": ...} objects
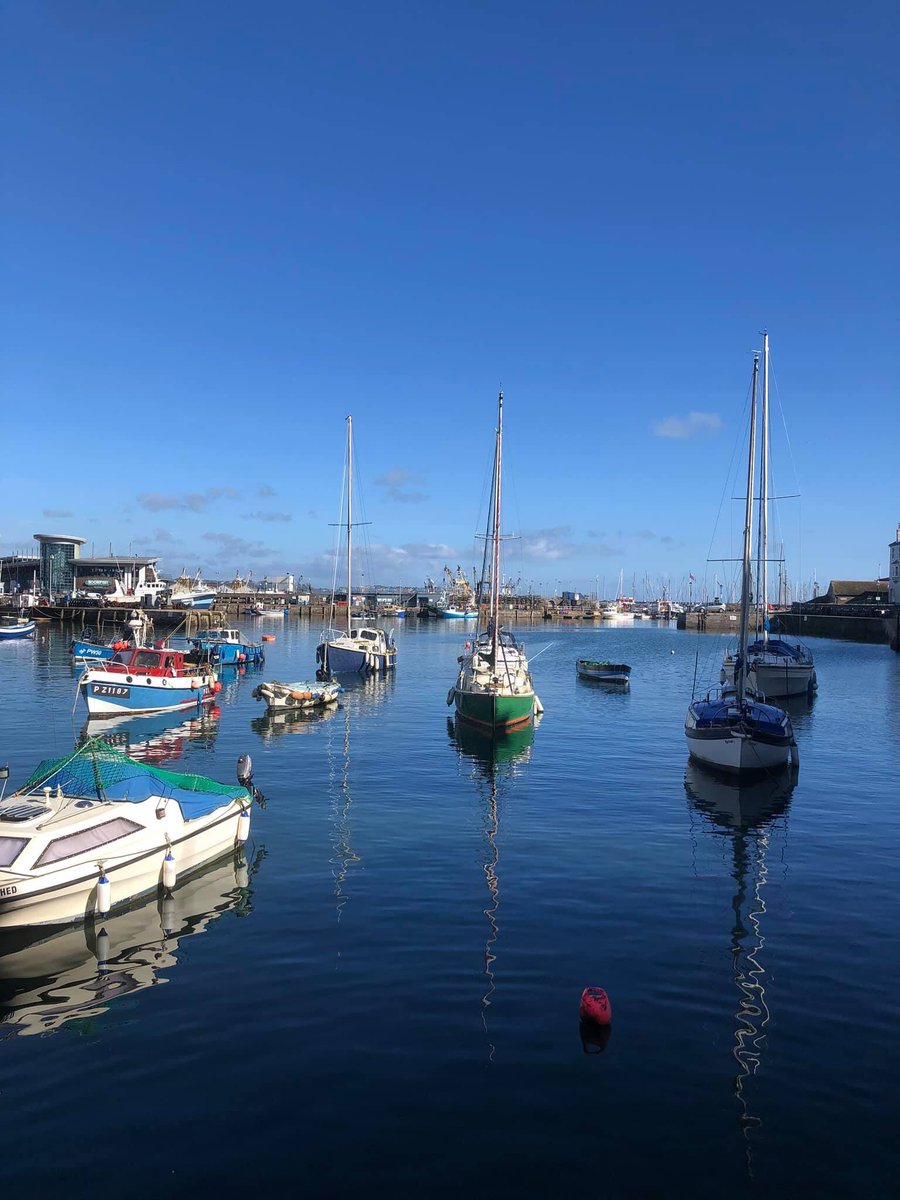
[
  {"x": 96, "y": 829},
  {"x": 302, "y": 694}
]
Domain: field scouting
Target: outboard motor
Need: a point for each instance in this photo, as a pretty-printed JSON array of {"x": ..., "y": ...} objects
[{"x": 245, "y": 770}]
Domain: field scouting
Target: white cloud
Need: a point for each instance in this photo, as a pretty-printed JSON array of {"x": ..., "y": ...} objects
[{"x": 694, "y": 424}]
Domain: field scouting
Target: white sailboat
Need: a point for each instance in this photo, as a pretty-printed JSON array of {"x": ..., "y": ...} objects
[
  {"x": 361, "y": 648},
  {"x": 733, "y": 731}
]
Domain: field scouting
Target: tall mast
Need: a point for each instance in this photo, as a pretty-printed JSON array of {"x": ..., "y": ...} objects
[
  {"x": 495, "y": 563},
  {"x": 746, "y": 577},
  {"x": 349, "y": 515},
  {"x": 764, "y": 493}
]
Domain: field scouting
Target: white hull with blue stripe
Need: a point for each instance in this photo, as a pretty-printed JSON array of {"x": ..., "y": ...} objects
[
  {"x": 12, "y": 628},
  {"x": 109, "y": 694}
]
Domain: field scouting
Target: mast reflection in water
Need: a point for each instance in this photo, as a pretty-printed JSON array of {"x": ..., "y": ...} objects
[
  {"x": 51, "y": 976},
  {"x": 745, "y": 813},
  {"x": 493, "y": 764}
]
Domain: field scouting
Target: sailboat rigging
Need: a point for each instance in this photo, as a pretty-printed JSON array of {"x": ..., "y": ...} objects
[
  {"x": 494, "y": 689},
  {"x": 734, "y": 731},
  {"x": 361, "y": 648}
]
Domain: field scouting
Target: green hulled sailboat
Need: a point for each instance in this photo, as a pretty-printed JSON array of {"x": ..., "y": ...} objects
[{"x": 493, "y": 690}]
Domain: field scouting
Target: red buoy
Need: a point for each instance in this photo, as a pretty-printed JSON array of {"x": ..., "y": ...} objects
[{"x": 595, "y": 1006}]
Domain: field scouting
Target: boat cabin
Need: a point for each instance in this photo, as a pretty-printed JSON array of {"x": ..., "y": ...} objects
[{"x": 148, "y": 662}]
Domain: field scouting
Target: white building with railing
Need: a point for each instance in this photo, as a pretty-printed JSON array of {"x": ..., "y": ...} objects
[{"x": 894, "y": 571}]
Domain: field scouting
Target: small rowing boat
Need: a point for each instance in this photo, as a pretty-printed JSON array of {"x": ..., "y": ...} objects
[{"x": 297, "y": 695}]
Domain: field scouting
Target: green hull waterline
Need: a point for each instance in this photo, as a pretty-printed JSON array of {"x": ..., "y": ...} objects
[{"x": 494, "y": 712}]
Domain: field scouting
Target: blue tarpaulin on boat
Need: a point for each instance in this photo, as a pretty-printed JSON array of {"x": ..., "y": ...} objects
[{"x": 98, "y": 772}]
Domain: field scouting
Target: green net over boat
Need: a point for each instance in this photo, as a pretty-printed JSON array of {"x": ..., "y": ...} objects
[{"x": 97, "y": 771}]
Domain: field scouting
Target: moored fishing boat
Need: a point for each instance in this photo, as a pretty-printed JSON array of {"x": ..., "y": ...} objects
[
  {"x": 90, "y": 647},
  {"x": 15, "y": 627},
  {"x": 606, "y": 672},
  {"x": 147, "y": 680},
  {"x": 299, "y": 695},
  {"x": 191, "y": 593},
  {"x": 96, "y": 829},
  {"x": 494, "y": 689},
  {"x": 227, "y": 647}
]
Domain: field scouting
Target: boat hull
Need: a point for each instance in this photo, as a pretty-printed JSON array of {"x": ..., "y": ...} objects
[
  {"x": 49, "y": 903},
  {"x": 87, "y": 651},
  {"x": 347, "y": 660},
  {"x": 490, "y": 711},
  {"x": 772, "y": 679},
  {"x": 18, "y": 631},
  {"x": 603, "y": 672},
  {"x": 738, "y": 753},
  {"x": 107, "y": 698}
]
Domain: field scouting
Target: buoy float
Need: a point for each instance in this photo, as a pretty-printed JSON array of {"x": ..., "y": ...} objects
[
  {"x": 217, "y": 686},
  {"x": 268, "y": 637},
  {"x": 104, "y": 895},
  {"x": 169, "y": 871},
  {"x": 595, "y": 1006}
]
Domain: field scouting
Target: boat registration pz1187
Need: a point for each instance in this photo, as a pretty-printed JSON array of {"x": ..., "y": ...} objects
[{"x": 110, "y": 689}]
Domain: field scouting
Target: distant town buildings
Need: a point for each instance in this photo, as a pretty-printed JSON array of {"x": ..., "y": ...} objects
[{"x": 894, "y": 571}]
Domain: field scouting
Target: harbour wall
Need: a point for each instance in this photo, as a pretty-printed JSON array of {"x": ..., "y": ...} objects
[{"x": 880, "y": 629}]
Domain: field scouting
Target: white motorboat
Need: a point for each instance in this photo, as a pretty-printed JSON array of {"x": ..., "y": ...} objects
[
  {"x": 96, "y": 829},
  {"x": 735, "y": 731}
]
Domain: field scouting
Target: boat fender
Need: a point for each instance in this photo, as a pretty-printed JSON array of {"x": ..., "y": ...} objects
[
  {"x": 595, "y": 1006},
  {"x": 217, "y": 687},
  {"x": 243, "y": 826},
  {"x": 295, "y": 695},
  {"x": 450, "y": 696},
  {"x": 104, "y": 896},
  {"x": 195, "y": 683},
  {"x": 538, "y": 707},
  {"x": 169, "y": 871}
]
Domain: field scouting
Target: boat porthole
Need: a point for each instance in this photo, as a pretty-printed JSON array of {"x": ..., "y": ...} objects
[
  {"x": 128, "y": 679},
  {"x": 149, "y": 681}
]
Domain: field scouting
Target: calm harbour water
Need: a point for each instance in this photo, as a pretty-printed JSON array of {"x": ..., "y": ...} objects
[{"x": 392, "y": 1002}]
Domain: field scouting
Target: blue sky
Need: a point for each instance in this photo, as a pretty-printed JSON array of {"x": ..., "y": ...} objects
[{"x": 227, "y": 226}]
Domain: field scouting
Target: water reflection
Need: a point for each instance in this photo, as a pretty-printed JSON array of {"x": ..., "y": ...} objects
[
  {"x": 274, "y": 722},
  {"x": 48, "y": 979},
  {"x": 344, "y": 857},
  {"x": 744, "y": 813},
  {"x": 492, "y": 763},
  {"x": 156, "y": 739}
]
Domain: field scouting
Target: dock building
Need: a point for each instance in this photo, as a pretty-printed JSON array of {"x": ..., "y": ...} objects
[
  {"x": 57, "y": 553},
  {"x": 894, "y": 570}
]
